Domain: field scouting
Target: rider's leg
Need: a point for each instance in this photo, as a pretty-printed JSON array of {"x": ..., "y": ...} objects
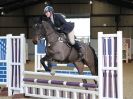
[
  {"x": 75, "y": 44},
  {"x": 71, "y": 37},
  {"x": 78, "y": 47}
]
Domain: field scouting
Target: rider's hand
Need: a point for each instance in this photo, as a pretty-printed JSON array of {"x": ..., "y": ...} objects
[{"x": 57, "y": 28}]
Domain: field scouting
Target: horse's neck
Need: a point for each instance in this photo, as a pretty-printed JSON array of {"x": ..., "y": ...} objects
[{"x": 52, "y": 37}]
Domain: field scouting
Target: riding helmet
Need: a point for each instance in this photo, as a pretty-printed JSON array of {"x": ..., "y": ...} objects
[{"x": 48, "y": 9}]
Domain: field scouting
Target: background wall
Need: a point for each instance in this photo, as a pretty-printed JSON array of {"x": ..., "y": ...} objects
[{"x": 104, "y": 17}]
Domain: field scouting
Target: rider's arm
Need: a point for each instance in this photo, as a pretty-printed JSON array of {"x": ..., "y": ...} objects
[{"x": 65, "y": 27}]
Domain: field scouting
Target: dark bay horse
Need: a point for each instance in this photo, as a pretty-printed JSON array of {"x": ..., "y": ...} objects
[{"x": 59, "y": 50}]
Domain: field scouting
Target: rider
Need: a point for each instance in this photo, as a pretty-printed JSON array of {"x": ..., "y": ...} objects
[{"x": 62, "y": 26}]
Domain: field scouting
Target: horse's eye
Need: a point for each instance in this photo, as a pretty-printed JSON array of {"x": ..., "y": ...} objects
[{"x": 35, "y": 25}]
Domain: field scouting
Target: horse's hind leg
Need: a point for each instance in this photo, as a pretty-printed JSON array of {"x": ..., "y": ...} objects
[
  {"x": 42, "y": 60},
  {"x": 80, "y": 67},
  {"x": 92, "y": 67}
]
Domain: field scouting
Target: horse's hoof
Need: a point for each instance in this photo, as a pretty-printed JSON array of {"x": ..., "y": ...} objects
[{"x": 52, "y": 73}]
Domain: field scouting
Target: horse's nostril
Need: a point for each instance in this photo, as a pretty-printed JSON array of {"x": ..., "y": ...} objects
[{"x": 34, "y": 41}]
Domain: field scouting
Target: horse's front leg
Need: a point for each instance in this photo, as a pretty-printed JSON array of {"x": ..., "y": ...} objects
[
  {"x": 49, "y": 64},
  {"x": 47, "y": 68}
]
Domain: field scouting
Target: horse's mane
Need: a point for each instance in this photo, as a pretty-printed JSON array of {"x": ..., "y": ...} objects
[
  {"x": 49, "y": 24},
  {"x": 39, "y": 19}
]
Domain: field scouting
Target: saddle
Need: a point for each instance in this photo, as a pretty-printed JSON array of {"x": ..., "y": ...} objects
[
  {"x": 63, "y": 38},
  {"x": 77, "y": 45}
]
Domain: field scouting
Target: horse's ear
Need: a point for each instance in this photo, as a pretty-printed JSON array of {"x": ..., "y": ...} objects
[{"x": 35, "y": 25}]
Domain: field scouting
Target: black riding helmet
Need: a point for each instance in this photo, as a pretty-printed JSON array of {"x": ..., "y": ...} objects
[{"x": 48, "y": 9}]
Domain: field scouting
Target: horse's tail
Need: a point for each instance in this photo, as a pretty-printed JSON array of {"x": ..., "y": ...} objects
[{"x": 96, "y": 60}]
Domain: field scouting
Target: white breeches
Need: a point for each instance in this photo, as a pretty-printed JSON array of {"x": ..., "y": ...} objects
[{"x": 71, "y": 37}]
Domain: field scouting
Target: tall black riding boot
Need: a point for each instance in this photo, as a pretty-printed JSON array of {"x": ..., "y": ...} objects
[{"x": 77, "y": 46}]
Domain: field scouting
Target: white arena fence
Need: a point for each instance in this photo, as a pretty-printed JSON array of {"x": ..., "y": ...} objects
[{"x": 36, "y": 84}]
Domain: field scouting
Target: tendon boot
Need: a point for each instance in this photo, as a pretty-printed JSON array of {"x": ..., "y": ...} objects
[
  {"x": 43, "y": 64},
  {"x": 78, "y": 47}
]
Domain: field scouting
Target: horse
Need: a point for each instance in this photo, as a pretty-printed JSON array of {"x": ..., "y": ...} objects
[{"x": 58, "y": 49}]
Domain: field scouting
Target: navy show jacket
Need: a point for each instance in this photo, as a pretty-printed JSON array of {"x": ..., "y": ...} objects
[{"x": 60, "y": 22}]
